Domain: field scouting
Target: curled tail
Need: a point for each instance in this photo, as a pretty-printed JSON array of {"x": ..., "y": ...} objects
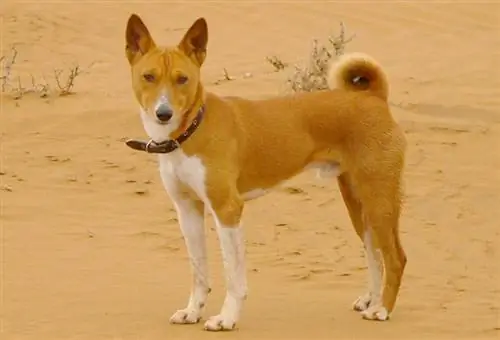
[{"x": 359, "y": 72}]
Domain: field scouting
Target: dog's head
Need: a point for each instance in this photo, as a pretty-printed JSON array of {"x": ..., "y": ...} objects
[{"x": 165, "y": 80}]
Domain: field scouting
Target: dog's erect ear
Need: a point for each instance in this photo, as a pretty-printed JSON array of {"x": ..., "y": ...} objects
[
  {"x": 194, "y": 43},
  {"x": 138, "y": 39}
]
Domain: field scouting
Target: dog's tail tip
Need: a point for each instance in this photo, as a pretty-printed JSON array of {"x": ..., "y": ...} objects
[{"x": 359, "y": 72}]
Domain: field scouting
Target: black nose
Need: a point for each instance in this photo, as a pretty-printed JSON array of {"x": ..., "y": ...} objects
[{"x": 164, "y": 113}]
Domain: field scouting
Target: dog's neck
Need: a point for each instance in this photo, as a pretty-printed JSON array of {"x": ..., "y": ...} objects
[
  {"x": 169, "y": 145},
  {"x": 191, "y": 114}
]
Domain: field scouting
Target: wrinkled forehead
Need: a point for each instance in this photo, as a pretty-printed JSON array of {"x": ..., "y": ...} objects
[{"x": 163, "y": 60}]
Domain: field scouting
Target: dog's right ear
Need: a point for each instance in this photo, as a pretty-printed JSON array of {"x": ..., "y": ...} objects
[{"x": 138, "y": 39}]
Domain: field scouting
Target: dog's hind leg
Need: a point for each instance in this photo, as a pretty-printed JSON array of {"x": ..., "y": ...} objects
[
  {"x": 375, "y": 268},
  {"x": 381, "y": 203}
]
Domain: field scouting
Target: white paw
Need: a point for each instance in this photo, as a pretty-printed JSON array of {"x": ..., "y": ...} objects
[
  {"x": 186, "y": 316},
  {"x": 220, "y": 323},
  {"x": 362, "y": 303},
  {"x": 377, "y": 312}
]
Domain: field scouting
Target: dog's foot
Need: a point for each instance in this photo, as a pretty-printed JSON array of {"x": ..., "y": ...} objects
[
  {"x": 362, "y": 303},
  {"x": 220, "y": 323},
  {"x": 186, "y": 316},
  {"x": 376, "y": 312}
]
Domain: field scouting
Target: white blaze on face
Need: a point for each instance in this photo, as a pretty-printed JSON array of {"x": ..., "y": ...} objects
[
  {"x": 155, "y": 130},
  {"x": 162, "y": 100}
]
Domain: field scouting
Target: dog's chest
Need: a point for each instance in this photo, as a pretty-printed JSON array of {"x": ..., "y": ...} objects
[{"x": 178, "y": 170}]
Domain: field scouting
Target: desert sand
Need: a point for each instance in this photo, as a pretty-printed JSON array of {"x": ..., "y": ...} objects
[{"x": 90, "y": 242}]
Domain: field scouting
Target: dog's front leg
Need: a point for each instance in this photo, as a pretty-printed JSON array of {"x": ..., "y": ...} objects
[
  {"x": 191, "y": 219},
  {"x": 232, "y": 244}
]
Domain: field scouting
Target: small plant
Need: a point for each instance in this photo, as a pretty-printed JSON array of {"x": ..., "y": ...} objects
[
  {"x": 64, "y": 80},
  {"x": 225, "y": 77},
  {"x": 7, "y": 62},
  {"x": 313, "y": 77}
]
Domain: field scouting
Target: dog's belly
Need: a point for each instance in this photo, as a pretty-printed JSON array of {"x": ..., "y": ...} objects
[
  {"x": 177, "y": 169},
  {"x": 253, "y": 194},
  {"x": 324, "y": 170}
]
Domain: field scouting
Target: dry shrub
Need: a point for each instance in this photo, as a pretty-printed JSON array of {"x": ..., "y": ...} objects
[
  {"x": 63, "y": 84},
  {"x": 7, "y": 62},
  {"x": 313, "y": 76}
]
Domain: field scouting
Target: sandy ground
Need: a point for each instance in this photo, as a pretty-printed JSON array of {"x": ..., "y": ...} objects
[{"x": 90, "y": 242}]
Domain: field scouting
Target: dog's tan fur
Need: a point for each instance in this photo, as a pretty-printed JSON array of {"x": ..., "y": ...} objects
[{"x": 255, "y": 144}]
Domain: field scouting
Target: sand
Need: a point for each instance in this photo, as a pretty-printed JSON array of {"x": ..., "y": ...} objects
[{"x": 90, "y": 242}]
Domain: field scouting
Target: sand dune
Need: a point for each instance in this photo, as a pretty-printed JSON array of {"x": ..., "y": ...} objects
[{"x": 90, "y": 242}]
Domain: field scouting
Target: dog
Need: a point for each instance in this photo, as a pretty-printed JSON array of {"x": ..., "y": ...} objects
[{"x": 215, "y": 153}]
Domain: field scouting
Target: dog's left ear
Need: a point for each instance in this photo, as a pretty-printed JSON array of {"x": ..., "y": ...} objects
[{"x": 194, "y": 43}]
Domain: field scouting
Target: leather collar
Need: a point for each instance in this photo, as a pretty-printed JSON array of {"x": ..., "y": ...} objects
[{"x": 171, "y": 144}]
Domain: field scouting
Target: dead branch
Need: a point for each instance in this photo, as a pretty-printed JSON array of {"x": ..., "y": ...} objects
[
  {"x": 226, "y": 75},
  {"x": 277, "y": 63}
]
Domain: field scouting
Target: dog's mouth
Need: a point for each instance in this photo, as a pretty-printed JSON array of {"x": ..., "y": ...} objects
[
  {"x": 159, "y": 122},
  {"x": 171, "y": 121}
]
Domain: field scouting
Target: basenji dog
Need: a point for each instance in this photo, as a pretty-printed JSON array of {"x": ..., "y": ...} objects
[{"x": 216, "y": 152}]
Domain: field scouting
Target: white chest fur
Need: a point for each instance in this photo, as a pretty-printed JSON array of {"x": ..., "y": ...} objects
[{"x": 177, "y": 167}]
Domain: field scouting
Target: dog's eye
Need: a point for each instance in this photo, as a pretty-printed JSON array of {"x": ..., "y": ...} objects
[
  {"x": 182, "y": 80},
  {"x": 149, "y": 77}
]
